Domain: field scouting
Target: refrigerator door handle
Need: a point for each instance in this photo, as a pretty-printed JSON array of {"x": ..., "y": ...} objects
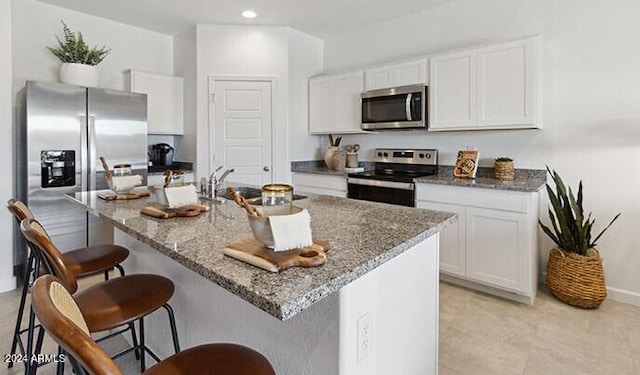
[
  {"x": 84, "y": 161},
  {"x": 91, "y": 145}
]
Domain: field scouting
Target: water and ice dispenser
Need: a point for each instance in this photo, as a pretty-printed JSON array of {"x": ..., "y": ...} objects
[{"x": 58, "y": 168}]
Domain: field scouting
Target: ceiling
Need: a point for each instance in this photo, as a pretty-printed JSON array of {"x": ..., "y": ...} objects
[{"x": 321, "y": 18}]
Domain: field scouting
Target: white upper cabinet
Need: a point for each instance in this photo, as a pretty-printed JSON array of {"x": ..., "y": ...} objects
[
  {"x": 164, "y": 101},
  {"x": 494, "y": 87},
  {"x": 334, "y": 103},
  {"x": 400, "y": 74},
  {"x": 452, "y": 91}
]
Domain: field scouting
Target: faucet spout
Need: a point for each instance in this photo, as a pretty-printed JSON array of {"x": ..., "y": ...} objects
[{"x": 218, "y": 182}]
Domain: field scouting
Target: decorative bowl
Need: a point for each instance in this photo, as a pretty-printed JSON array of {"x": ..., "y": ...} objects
[
  {"x": 261, "y": 227},
  {"x": 123, "y": 184}
]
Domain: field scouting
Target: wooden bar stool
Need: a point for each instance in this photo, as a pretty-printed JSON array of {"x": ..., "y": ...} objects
[
  {"x": 111, "y": 304},
  {"x": 82, "y": 262},
  {"x": 65, "y": 322}
]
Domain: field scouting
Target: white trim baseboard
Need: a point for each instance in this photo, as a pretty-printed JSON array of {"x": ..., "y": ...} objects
[
  {"x": 8, "y": 284},
  {"x": 624, "y": 296}
]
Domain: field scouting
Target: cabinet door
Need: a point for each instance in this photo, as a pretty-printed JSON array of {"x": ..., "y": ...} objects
[
  {"x": 348, "y": 88},
  {"x": 452, "y": 91},
  {"x": 401, "y": 74},
  {"x": 410, "y": 72},
  {"x": 164, "y": 101},
  {"x": 497, "y": 247},
  {"x": 452, "y": 239},
  {"x": 506, "y": 87},
  {"x": 321, "y": 107}
]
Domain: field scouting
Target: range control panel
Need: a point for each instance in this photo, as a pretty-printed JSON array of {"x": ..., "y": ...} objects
[{"x": 402, "y": 156}]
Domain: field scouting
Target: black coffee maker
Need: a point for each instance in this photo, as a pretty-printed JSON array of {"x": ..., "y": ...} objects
[{"x": 162, "y": 154}]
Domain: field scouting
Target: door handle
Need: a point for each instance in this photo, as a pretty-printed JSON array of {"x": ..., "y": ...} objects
[
  {"x": 407, "y": 105},
  {"x": 266, "y": 168}
]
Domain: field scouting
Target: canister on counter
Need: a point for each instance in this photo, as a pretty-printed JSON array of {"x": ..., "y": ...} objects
[{"x": 277, "y": 195}]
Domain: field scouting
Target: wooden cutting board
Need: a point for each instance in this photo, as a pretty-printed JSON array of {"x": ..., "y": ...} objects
[
  {"x": 123, "y": 196},
  {"x": 164, "y": 213},
  {"x": 254, "y": 252}
]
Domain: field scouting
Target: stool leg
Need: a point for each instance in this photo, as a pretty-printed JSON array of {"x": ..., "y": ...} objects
[
  {"x": 174, "y": 331},
  {"x": 143, "y": 353},
  {"x": 33, "y": 365},
  {"x": 23, "y": 299},
  {"x": 60, "y": 364},
  {"x": 119, "y": 267},
  {"x": 134, "y": 339},
  {"x": 106, "y": 275},
  {"x": 29, "y": 351}
]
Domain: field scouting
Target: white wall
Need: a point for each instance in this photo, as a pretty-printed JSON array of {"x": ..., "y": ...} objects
[
  {"x": 254, "y": 51},
  {"x": 7, "y": 280},
  {"x": 185, "y": 65},
  {"x": 591, "y": 101},
  {"x": 35, "y": 25},
  {"x": 305, "y": 60}
]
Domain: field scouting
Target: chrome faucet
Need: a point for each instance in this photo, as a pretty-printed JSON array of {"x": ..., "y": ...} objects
[{"x": 215, "y": 182}]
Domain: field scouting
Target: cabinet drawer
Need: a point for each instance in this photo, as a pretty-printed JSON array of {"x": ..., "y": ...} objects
[
  {"x": 320, "y": 181},
  {"x": 476, "y": 197}
]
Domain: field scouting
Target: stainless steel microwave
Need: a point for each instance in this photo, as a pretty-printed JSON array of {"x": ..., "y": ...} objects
[{"x": 395, "y": 108}]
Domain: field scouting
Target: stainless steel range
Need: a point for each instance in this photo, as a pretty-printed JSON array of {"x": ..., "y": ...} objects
[{"x": 392, "y": 179}]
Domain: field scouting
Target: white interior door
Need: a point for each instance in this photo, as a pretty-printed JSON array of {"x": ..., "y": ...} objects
[{"x": 242, "y": 129}]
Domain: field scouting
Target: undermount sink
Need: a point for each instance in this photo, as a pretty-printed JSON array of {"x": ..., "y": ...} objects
[{"x": 251, "y": 194}]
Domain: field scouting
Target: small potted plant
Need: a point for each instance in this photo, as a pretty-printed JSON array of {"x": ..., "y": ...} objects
[
  {"x": 574, "y": 270},
  {"x": 78, "y": 59},
  {"x": 503, "y": 169}
]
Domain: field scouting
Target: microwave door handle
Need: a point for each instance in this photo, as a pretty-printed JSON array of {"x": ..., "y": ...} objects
[{"x": 407, "y": 107}]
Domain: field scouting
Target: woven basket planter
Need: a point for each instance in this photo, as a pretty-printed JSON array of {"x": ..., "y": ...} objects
[
  {"x": 504, "y": 170},
  {"x": 577, "y": 280}
]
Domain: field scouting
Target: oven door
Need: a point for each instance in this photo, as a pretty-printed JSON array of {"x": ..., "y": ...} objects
[{"x": 400, "y": 193}]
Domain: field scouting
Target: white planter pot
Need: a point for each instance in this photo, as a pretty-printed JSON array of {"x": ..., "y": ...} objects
[{"x": 79, "y": 74}]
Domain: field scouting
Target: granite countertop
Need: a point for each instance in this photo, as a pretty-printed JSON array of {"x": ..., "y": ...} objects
[
  {"x": 319, "y": 167},
  {"x": 527, "y": 180},
  {"x": 358, "y": 244}
]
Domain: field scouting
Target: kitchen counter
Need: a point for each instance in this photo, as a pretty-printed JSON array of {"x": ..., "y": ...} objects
[
  {"x": 378, "y": 284},
  {"x": 362, "y": 236},
  {"x": 526, "y": 180},
  {"x": 319, "y": 167}
]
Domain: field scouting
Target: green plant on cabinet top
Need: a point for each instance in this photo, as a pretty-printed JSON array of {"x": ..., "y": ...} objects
[{"x": 73, "y": 49}]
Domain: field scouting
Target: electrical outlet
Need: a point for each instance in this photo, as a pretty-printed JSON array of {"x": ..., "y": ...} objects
[{"x": 365, "y": 336}]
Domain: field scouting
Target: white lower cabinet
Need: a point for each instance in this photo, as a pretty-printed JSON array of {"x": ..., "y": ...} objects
[
  {"x": 493, "y": 245},
  {"x": 320, "y": 184}
]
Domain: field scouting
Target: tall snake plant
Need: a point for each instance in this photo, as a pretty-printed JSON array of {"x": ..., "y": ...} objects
[{"x": 571, "y": 230}]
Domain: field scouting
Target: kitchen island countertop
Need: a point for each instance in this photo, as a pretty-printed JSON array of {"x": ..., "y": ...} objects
[{"x": 362, "y": 237}]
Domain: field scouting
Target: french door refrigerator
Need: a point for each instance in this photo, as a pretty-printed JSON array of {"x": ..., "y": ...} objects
[{"x": 61, "y": 132}]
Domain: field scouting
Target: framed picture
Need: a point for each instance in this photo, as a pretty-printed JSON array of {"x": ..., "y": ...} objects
[{"x": 466, "y": 164}]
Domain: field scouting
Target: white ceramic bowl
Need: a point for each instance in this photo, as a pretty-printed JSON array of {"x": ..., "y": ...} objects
[
  {"x": 261, "y": 227},
  {"x": 120, "y": 188}
]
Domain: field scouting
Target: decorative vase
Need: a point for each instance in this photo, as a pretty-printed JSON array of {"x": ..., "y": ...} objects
[
  {"x": 79, "y": 74},
  {"x": 577, "y": 280},
  {"x": 335, "y": 158},
  {"x": 352, "y": 160},
  {"x": 504, "y": 170}
]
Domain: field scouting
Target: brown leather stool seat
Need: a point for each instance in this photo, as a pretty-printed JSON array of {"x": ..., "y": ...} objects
[
  {"x": 92, "y": 259},
  {"x": 64, "y": 321},
  {"x": 118, "y": 301},
  {"x": 214, "y": 359}
]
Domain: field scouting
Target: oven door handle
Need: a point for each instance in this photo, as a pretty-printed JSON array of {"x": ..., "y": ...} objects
[
  {"x": 382, "y": 184},
  {"x": 407, "y": 107}
]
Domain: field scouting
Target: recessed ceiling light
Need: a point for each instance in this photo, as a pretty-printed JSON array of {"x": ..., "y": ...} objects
[{"x": 249, "y": 14}]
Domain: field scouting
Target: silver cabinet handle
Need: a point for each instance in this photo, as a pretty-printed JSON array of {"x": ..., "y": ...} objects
[
  {"x": 266, "y": 168},
  {"x": 407, "y": 107}
]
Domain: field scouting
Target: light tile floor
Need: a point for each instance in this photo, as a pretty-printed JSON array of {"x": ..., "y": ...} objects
[{"x": 481, "y": 335}]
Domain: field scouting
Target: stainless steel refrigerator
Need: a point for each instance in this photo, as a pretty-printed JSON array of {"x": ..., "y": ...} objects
[{"x": 61, "y": 132}]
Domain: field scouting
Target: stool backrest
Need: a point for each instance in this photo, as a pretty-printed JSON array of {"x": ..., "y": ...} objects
[
  {"x": 60, "y": 316},
  {"x": 19, "y": 209},
  {"x": 38, "y": 237}
]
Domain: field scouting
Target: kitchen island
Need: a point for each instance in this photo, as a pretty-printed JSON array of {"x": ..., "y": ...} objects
[{"x": 372, "y": 308}]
